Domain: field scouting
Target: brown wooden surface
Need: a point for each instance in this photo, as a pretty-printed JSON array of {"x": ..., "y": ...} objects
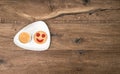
[{"x": 85, "y": 36}]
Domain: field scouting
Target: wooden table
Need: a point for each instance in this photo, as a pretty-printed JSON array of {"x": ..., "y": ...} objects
[{"x": 85, "y": 36}]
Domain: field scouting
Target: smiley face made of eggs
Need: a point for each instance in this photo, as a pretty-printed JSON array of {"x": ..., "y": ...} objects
[
  {"x": 35, "y": 36},
  {"x": 40, "y": 37}
]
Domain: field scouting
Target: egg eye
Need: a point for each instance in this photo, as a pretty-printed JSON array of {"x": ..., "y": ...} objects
[
  {"x": 43, "y": 35},
  {"x": 37, "y": 34},
  {"x": 24, "y": 37}
]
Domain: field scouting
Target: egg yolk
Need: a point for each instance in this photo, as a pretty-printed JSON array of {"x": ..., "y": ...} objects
[
  {"x": 40, "y": 37},
  {"x": 24, "y": 37}
]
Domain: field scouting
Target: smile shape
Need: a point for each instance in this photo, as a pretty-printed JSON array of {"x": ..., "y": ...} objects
[{"x": 39, "y": 40}]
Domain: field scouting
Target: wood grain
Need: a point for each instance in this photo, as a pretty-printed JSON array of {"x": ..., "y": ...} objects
[
  {"x": 99, "y": 31},
  {"x": 44, "y": 9},
  {"x": 85, "y": 36},
  {"x": 60, "y": 62}
]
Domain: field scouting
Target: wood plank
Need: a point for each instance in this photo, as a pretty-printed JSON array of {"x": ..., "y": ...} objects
[
  {"x": 97, "y": 31},
  {"x": 60, "y": 62},
  {"x": 44, "y": 9}
]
